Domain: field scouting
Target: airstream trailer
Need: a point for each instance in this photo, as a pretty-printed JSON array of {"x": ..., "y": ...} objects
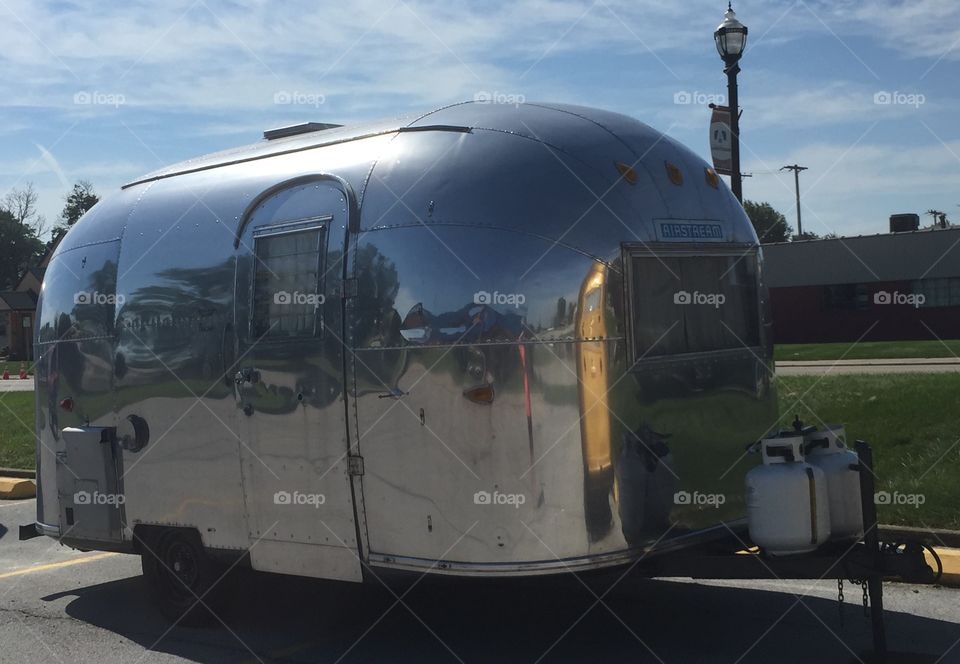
[{"x": 488, "y": 340}]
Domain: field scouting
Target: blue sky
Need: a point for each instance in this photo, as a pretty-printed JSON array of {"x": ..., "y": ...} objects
[{"x": 108, "y": 91}]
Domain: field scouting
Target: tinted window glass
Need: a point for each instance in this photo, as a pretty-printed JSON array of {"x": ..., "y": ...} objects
[
  {"x": 287, "y": 299},
  {"x": 689, "y": 304}
]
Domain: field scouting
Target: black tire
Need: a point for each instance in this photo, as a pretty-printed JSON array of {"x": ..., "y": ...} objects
[{"x": 181, "y": 577}]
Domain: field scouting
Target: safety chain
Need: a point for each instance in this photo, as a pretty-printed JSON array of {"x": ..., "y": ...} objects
[
  {"x": 866, "y": 600},
  {"x": 840, "y": 599}
]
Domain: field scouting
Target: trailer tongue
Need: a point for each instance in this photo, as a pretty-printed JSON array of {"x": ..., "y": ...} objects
[{"x": 867, "y": 562}]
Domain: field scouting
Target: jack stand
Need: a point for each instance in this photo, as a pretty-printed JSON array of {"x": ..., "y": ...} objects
[{"x": 871, "y": 539}]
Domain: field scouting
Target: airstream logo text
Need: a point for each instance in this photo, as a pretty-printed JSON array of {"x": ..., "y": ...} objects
[
  {"x": 93, "y": 297},
  {"x": 897, "y": 498},
  {"x": 689, "y": 232},
  {"x": 696, "y": 498},
  {"x": 915, "y": 300},
  {"x": 714, "y": 300},
  {"x": 97, "y": 498},
  {"x": 497, "y": 498},
  {"x": 296, "y": 297},
  {"x": 297, "y": 498},
  {"x": 496, "y": 297}
]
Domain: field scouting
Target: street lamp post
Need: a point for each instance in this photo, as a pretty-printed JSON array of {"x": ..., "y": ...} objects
[{"x": 731, "y": 39}]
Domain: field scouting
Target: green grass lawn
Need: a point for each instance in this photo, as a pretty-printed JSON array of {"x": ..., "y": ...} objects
[
  {"x": 16, "y": 430},
  {"x": 913, "y": 423},
  {"x": 868, "y": 350}
]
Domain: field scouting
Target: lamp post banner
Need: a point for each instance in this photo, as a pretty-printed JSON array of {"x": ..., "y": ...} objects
[{"x": 721, "y": 140}]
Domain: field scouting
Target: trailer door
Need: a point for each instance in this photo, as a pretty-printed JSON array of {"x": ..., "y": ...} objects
[{"x": 289, "y": 383}]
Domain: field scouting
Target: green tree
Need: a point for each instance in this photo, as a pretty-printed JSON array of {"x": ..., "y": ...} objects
[
  {"x": 80, "y": 199},
  {"x": 19, "y": 249},
  {"x": 771, "y": 226}
]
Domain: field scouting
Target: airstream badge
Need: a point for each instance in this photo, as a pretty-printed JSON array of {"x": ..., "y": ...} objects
[{"x": 688, "y": 231}]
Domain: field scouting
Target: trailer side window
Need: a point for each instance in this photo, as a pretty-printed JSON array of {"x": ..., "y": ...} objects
[
  {"x": 693, "y": 303},
  {"x": 287, "y": 288}
]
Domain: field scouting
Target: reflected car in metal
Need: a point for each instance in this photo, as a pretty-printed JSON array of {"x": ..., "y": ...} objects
[{"x": 487, "y": 340}]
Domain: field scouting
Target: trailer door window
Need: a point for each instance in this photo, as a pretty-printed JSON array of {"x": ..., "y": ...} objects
[
  {"x": 287, "y": 283},
  {"x": 692, "y": 303}
]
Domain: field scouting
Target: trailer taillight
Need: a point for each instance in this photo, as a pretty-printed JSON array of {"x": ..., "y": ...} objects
[
  {"x": 480, "y": 394},
  {"x": 67, "y": 404}
]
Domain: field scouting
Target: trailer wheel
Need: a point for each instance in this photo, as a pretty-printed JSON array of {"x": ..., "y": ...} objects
[{"x": 181, "y": 577}]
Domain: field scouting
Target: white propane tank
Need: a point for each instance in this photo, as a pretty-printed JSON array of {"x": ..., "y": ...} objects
[
  {"x": 826, "y": 450},
  {"x": 788, "y": 508}
]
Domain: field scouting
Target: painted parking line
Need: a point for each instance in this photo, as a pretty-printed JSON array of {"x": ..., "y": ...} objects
[
  {"x": 60, "y": 565},
  {"x": 13, "y": 503}
]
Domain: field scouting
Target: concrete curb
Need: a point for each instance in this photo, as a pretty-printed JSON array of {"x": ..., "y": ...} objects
[
  {"x": 892, "y": 361},
  {"x": 18, "y": 472},
  {"x": 17, "y": 488}
]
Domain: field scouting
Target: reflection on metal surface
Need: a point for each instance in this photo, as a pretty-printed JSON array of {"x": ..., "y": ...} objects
[
  {"x": 646, "y": 481},
  {"x": 471, "y": 341},
  {"x": 593, "y": 388}
]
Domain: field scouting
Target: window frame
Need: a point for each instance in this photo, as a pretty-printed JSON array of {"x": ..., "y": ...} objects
[
  {"x": 631, "y": 250},
  {"x": 289, "y": 227}
]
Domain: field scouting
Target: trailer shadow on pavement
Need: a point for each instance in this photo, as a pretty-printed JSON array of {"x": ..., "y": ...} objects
[{"x": 285, "y": 619}]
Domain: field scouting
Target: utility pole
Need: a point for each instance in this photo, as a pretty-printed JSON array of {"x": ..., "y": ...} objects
[{"x": 796, "y": 181}]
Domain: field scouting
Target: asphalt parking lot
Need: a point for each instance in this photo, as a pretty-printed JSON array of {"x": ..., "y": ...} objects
[{"x": 59, "y": 605}]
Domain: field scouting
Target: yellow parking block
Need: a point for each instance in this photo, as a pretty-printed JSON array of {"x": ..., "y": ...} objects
[
  {"x": 13, "y": 488},
  {"x": 951, "y": 565}
]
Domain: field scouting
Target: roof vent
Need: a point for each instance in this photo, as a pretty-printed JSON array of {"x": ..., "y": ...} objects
[
  {"x": 904, "y": 223},
  {"x": 293, "y": 130}
]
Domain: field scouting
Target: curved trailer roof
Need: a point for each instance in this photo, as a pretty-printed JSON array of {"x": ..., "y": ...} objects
[{"x": 582, "y": 177}]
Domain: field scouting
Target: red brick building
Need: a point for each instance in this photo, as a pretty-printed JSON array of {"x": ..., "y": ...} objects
[
  {"x": 889, "y": 287},
  {"x": 18, "y": 310}
]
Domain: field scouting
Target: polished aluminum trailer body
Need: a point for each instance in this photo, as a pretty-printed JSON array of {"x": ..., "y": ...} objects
[{"x": 477, "y": 341}]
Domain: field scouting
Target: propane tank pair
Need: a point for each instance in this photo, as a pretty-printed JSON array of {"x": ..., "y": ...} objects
[
  {"x": 827, "y": 450},
  {"x": 805, "y": 492}
]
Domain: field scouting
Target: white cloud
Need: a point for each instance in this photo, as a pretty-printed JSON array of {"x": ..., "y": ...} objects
[{"x": 194, "y": 68}]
